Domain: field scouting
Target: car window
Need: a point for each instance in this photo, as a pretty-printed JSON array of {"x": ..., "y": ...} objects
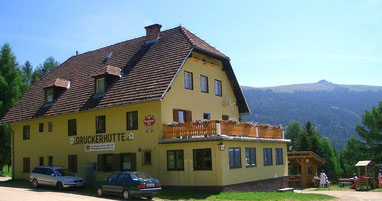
[
  {"x": 63, "y": 172},
  {"x": 37, "y": 170},
  {"x": 140, "y": 175},
  {"x": 113, "y": 177},
  {"x": 124, "y": 177},
  {"x": 49, "y": 171}
]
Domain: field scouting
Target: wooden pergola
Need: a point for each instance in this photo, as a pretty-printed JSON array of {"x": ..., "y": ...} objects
[
  {"x": 368, "y": 179},
  {"x": 308, "y": 161}
]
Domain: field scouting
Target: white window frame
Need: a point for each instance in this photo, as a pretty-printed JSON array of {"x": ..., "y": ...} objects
[
  {"x": 98, "y": 89},
  {"x": 218, "y": 88},
  {"x": 188, "y": 80}
]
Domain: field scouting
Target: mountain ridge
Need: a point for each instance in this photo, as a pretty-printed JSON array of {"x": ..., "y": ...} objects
[
  {"x": 334, "y": 109},
  {"x": 321, "y": 85}
]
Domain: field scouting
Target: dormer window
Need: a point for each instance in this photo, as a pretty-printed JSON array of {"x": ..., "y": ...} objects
[
  {"x": 104, "y": 78},
  {"x": 49, "y": 95},
  {"x": 55, "y": 89},
  {"x": 100, "y": 86}
]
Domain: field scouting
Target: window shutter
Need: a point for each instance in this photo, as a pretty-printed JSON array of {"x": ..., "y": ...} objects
[
  {"x": 100, "y": 162},
  {"x": 175, "y": 115},
  {"x": 133, "y": 162},
  {"x": 188, "y": 116},
  {"x": 117, "y": 162}
]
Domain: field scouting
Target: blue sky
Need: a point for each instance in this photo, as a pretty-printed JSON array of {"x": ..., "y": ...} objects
[{"x": 269, "y": 42}]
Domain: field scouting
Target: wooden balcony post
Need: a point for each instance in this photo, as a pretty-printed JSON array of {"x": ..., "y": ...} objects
[
  {"x": 257, "y": 132},
  {"x": 218, "y": 128},
  {"x": 283, "y": 135}
]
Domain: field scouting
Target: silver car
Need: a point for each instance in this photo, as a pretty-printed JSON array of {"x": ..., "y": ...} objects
[{"x": 54, "y": 176}]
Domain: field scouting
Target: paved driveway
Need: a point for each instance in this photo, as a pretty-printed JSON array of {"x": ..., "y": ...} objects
[
  {"x": 20, "y": 191},
  {"x": 350, "y": 195}
]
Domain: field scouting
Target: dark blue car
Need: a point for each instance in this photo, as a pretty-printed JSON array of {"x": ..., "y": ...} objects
[{"x": 129, "y": 185}]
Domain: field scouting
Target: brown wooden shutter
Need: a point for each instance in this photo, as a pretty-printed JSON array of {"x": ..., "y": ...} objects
[
  {"x": 175, "y": 115},
  {"x": 117, "y": 162},
  {"x": 188, "y": 116},
  {"x": 100, "y": 162},
  {"x": 133, "y": 157}
]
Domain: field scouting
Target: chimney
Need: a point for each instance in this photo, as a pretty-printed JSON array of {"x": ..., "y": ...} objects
[{"x": 152, "y": 31}]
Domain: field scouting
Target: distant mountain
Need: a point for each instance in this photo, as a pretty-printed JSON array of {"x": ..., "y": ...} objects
[{"x": 334, "y": 108}]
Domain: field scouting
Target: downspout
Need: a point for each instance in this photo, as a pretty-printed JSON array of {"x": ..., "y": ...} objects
[{"x": 13, "y": 154}]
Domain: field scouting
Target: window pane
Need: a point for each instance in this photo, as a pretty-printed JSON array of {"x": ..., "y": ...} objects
[
  {"x": 72, "y": 127},
  {"x": 126, "y": 162},
  {"x": 231, "y": 158},
  {"x": 132, "y": 120},
  {"x": 50, "y": 126},
  {"x": 181, "y": 116},
  {"x": 49, "y": 95},
  {"x": 101, "y": 124},
  {"x": 202, "y": 159},
  {"x": 204, "y": 83},
  {"x": 171, "y": 160},
  {"x": 100, "y": 88},
  {"x": 109, "y": 162},
  {"x": 207, "y": 116},
  {"x": 218, "y": 87},
  {"x": 188, "y": 80},
  {"x": 179, "y": 160}
]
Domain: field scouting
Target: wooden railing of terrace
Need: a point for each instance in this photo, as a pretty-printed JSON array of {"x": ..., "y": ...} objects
[{"x": 219, "y": 127}]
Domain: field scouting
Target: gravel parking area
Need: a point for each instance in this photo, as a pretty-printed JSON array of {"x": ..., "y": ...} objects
[{"x": 349, "y": 195}]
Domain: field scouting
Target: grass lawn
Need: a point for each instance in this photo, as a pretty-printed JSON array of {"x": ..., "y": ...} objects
[
  {"x": 5, "y": 172},
  {"x": 203, "y": 195}
]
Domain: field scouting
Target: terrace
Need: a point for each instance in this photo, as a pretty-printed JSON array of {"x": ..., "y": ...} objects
[{"x": 201, "y": 129}]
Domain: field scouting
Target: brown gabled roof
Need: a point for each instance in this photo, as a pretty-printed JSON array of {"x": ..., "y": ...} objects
[{"x": 148, "y": 80}]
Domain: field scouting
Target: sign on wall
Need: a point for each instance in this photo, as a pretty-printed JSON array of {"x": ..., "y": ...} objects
[
  {"x": 149, "y": 122},
  {"x": 102, "y": 138},
  {"x": 100, "y": 147}
]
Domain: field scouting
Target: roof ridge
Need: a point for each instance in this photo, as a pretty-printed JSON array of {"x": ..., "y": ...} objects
[
  {"x": 183, "y": 30},
  {"x": 189, "y": 36}
]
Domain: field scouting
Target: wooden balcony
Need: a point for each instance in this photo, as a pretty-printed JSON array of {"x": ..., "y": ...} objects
[{"x": 220, "y": 127}]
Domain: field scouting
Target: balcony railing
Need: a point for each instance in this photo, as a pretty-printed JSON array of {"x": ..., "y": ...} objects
[{"x": 217, "y": 127}]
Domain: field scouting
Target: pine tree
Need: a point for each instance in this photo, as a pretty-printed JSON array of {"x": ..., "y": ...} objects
[
  {"x": 353, "y": 152},
  {"x": 292, "y": 132},
  {"x": 49, "y": 64},
  {"x": 371, "y": 132},
  {"x": 11, "y": 88},
  {"x": 329, "y": 155}
]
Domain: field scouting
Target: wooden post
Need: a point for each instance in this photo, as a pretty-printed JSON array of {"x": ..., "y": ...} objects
[
  {"x": 218, "y": 128},
  {"x": 373, "y": 178},
  {"x": 367, "y": 179}
]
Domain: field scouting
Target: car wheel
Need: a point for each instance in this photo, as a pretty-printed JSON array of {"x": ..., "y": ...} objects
[
  {"x": 99, "y": 192},
  {"x": 149, "y": 197},
  {"x": 35, "y": 183},
  {"x": 59, "y": 186},
  {"x": 126, "y": 195}
]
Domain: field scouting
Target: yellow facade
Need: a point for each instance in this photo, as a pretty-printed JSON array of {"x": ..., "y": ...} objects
[{"x": 57, "y": 143}]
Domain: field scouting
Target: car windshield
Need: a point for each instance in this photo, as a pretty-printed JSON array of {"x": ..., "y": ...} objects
[
  {"x": 141, "y": 175},
  {"x": 63, "y": 172}
]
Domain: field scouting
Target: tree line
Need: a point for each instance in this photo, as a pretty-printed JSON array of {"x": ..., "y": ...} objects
[
  {"x": 15, "y": 80},
  {"x": 368, "y": 147}
]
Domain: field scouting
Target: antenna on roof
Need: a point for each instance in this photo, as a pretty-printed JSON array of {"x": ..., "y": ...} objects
[
  {"x": 76, "y": 52},
  {"x": 107, "y": 57}
]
